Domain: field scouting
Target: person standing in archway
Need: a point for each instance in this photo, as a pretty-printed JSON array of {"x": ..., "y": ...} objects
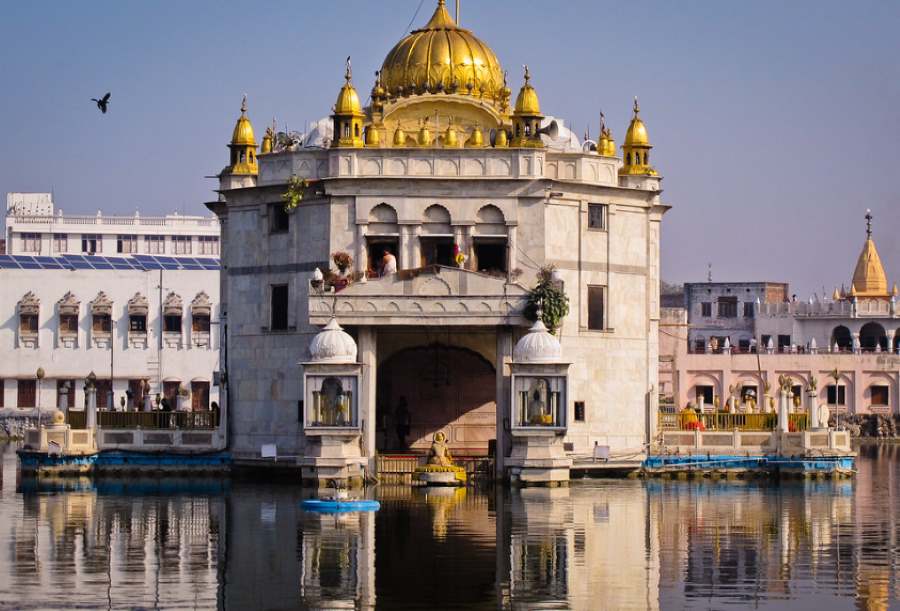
[
  {"x": 402, "y": 422},
  {"x": 388, "y": 263}
]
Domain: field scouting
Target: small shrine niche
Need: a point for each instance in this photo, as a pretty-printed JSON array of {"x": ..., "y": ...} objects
[
  {"x": 29, "y": 310},
  {"x": 173, "y": 312},
  {"x": 138, "y": 310},
  {"x": 201, "y": 314},
  {"x": 68, "y": 309},
  {"x": 101, "y": 321}
]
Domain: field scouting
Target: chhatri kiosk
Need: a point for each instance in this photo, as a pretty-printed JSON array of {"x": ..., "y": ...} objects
[{"x": 381, "y": 273}]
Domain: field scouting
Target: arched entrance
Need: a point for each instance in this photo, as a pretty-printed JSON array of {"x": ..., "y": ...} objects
[
  {"x": 426, "y": 389},
  {"x": 871, "y": 335},
  {"x": 841, "y": 336}
]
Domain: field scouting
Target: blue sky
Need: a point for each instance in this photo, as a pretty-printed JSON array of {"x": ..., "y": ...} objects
[{"x": 775, "y": 123}]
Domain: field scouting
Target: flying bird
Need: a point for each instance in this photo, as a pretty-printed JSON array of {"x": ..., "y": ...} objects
[{"x": 102, "y": 103}]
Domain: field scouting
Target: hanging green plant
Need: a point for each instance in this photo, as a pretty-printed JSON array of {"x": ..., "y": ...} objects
[
  {"x": 552, "y": 301},
  {"x": 294, "y": 195}
]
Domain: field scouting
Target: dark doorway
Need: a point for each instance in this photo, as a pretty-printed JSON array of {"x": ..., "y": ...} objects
[
  {"x": 437, "y": 251},
  {"x": 433, "y": 388}
]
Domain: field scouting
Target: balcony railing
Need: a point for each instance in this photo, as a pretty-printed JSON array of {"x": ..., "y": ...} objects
[
  {"x": 150, "y": 221},
  {"x": 205, "y": 420},
  {"x": 725, "y": 421}
]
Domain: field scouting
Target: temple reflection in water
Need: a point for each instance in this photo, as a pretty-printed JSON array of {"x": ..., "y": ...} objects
[{"x": 611, "y": 544}]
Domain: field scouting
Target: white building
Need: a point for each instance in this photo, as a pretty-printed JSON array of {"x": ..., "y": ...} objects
[
  {"x": 131, "y": 298},
  {"x": 471, "y": 196}
]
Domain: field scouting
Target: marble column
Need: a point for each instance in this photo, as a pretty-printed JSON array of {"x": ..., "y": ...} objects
[
  {"x": 857, "y": 347},
  {"x": 512, "y": 259},
  {"x": 812, "y": 409},
  {"x": 784, "y": 402},
  {"x": 890, "y": 333},
  {"x": 368, "y": 356},
  {"x": 91, "y": 409},
  {"x": 404, "y": 262},
  {"x": 362, "y": 253},
  {"x": 503, "y": 390}
]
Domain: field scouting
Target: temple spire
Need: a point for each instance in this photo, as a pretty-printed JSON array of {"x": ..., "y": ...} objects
[{"x": 869, "y": 224}]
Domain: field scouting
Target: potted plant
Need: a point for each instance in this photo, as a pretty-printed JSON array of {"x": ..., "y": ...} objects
[
  {"x": 342, "y": 261},
  {"x": 549, "y": 298}
]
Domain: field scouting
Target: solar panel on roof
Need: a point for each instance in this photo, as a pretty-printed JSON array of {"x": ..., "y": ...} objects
[
  {"x": 28, "y": 263},
  {"x": 7, "y": 262}
]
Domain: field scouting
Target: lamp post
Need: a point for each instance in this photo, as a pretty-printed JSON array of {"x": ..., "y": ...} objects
[{"x": 39, "y": 375}]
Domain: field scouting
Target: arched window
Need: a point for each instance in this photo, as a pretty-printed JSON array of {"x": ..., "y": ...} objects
[
  {"x": 840, "y": 335},
  {"x": 872, "y": 336},
  {"x": 356, "y": 129},
  {"x": 172, "y": 312},
  {"x": 489, "y": 241}
]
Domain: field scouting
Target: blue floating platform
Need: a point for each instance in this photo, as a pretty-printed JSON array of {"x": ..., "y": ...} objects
[{"x": 329, "y": 506}]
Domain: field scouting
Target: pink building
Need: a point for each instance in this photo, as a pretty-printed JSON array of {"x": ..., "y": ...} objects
[{"x": 846, "y": 346}]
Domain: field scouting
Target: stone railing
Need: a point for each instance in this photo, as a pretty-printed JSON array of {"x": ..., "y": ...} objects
[
  {"x": 146, "y": 221},
  {"x": 828, "y": 309},
  {"x": 724, "y": 421},
  {"x": 204, "y": 420}
]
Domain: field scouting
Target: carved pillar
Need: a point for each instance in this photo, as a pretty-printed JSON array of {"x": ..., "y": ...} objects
[
  {"x": 812, "y": 408},
  {"x": 404, "y": 248},
  {"x": 415, "y": 245},
  {"x": 890, "y": 333},
  {"x": 784, "y": 401},
  {"x": 362, "y": 253},
  {"x": 504, "y": 356},
  {"x": 368, "y": 356},
  {"x": 512, "y": 259},
  {"x": 91, "y": 409},
  {"x": 857, "y": 347}
]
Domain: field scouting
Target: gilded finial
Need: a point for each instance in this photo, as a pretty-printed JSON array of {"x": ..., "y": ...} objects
[
  {"x": 637, "y": 108},
  {"x": 894, "y": 291},
  {"x": 868, "y": 224},
  {"x": 602, "y": 122},
  {"x": 244, "y": 105},
  {"x": 348, "y": 73},
  {"x": 527, "y": 74}
]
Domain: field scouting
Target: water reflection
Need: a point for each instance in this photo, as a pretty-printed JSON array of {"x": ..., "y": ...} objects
[{"x": 613, "y": 544}]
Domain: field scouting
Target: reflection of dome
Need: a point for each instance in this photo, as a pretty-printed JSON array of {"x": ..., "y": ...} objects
[
  {"x": 332, "y": 345},
  {"x": 537, "y": 346},
  {"x": 442, "y": 57}
]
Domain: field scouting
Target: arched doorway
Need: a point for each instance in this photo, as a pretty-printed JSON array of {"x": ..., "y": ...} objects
[
  {"x": 871, "y": 335},
  {"x": 426, "y": 389},
  {"x": 841, "y": 336}
]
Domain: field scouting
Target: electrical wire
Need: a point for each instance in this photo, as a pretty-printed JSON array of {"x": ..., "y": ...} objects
[{"x": 416, "y": 14}]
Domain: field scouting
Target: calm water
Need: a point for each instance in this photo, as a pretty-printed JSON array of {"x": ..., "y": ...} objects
[{"x": 601, "y": 544}]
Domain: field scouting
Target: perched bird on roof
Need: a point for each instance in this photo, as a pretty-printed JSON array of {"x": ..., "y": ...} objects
[{"x": 102, "y": 103}]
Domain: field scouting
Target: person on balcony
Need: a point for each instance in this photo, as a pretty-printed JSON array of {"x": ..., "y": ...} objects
[{"x": 388, "y": 263}]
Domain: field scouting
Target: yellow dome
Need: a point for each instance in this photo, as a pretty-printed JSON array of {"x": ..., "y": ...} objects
[
  {"x": 442, "y": 57},
  {"x": 243, "y": 131},
  {"x": 869, "y": 279},
  {"x": 637, "y": 131},
  {"x": 527, "y": 103},
  {"x": 348, "y": 100}
]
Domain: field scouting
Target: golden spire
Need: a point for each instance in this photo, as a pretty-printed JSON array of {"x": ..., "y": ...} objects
[
  {"x": 243, "y": 146},
  {"x": 606, "y": 146},
  {"x": 268, "y": 142},
  {"x": 348, "y": 115},
  {"x": 450, "y": 138},
  {"x": 894, "y": 291},
  {"x": 424, "y": 136},
  {"x": 869, "y": 278},
  {"x": 476, "y": 140},
  {"x": 637, "y": 147},
  {"x": 527, "y": 116},
  {"x": 501, "y": 140},
  {"x": 399, "y": 136},
  {"x": 373, "y": 138},
  {"x": 853, "y": 290},
  {"x": 836, "y": 295}
]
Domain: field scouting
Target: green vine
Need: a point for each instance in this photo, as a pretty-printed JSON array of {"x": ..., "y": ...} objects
[
  {"x": 294, "y": 195},
  {"x": 552, "y": 301}
]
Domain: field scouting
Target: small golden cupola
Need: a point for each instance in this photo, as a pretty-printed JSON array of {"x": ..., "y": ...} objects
[
  {"x": 606, "y": 147},
  {"x": 637, "y": 147},
  {"x": 268, "y": 142},
  {"x": 348, "y": 115},
  {"x": 869, "y": 279},
  {"x": 527, "y": 117},
  {"x": 243, "y": 146}
]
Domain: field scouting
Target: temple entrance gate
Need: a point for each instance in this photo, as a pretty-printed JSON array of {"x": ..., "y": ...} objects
[{"x": 436, "y": 387}]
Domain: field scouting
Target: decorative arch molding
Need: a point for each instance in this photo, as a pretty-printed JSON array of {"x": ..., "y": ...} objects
[
  {"x": 201, "y": 304},
  {"x": 102, "y": 304},
  {"x": 29, "y": 304},
  {"x": 173, "y": 305},
  {"x": 69, "y": 304},
  {"x": 138, "y": 305}
]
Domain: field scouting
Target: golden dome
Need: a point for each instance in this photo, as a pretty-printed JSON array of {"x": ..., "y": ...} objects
[
  {"x": 501, "y": 140},
  {"x": 399, "y": 137},
  {"x": 373, "y": 138},
  {"x": 476, "y": 139},
  {"x": 442, "y": 57},
  {"x": 637, "y": 131},
  {"x": 527, "y": 103},
  {"x": 607, "y": 145},
  {"x": 450, "y": 137},
  {"x": 348, "y": 100},
  {"x": 243, "y": 130},
  {"x": 869, "y": 279},
  {"x": 424, "y": 136}
]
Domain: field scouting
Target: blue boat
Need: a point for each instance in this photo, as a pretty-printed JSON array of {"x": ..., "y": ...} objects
[{"x": 339, "y": 506}]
